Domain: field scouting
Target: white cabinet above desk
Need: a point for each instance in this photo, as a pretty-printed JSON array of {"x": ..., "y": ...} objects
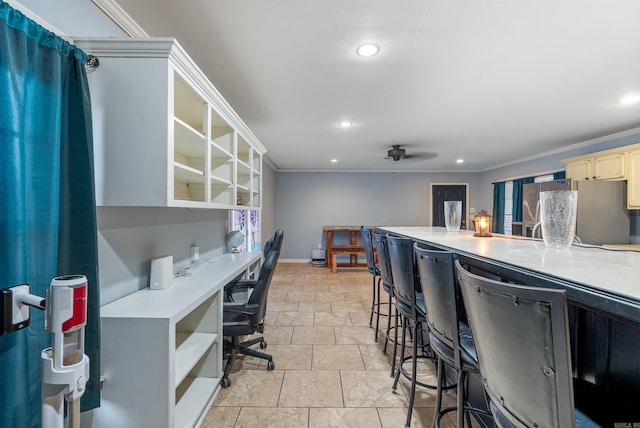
[
  {"x": 162, "y": 349},
  {"x": 163, "y": 134}
]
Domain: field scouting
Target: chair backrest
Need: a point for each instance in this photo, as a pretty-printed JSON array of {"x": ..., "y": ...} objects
[
  {"x": 367, "y": 243},
  {"x": 437, "y": 279},
  {"x": 260, "y": 292},
  {"x": 274, "y": 243},
  {"x": 522, "y": 341},
  {"x": 402, "y": 271},
  {"x": 383, "y": 258}
]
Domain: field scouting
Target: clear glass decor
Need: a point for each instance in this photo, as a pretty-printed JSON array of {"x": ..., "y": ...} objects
[
  {"x": 452, "y": 215},
  {"x": 558, "y": 217}
]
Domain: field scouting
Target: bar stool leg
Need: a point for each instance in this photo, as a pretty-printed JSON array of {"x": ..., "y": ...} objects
[
  {"x": 373, "y": 300},
  {"x": 436, "y": 415},
  {"x": 377, "y": 295}
]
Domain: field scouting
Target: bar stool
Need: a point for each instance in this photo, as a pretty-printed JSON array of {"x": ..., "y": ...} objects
[
  {"x": 410, "y": 305},
  {"x": 387, "y": 285},
  {"x": 374, "y": 270},
  {"x": 522, "y": 338},
  {"x": 449, "y": 334}
]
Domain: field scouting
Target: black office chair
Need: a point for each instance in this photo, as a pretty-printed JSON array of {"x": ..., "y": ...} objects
[
  {"x": 522, "y": 339},
  {"x": 449, "y": 334},
  {"x": 410, "y": 305},
  {"x": 243, "y": 317},
  {"x": 374, "y": 270},
  {"x": 274, "y": 243}
]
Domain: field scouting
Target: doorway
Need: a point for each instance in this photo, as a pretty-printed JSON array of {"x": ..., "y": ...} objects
[{"x": 448, "y": 192}]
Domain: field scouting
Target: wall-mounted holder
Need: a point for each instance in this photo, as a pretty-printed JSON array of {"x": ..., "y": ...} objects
[{"x": 14, "y": 304}]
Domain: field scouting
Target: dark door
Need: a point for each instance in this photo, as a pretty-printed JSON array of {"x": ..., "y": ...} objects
[{"x": 447, "y": 192}]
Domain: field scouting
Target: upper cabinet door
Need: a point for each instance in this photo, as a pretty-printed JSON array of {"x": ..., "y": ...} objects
[{"x": 609, "y": 167}]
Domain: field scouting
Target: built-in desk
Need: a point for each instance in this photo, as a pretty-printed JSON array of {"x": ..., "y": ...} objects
[
  {"x": 162, "y": 349},
  {"x": 603, "y": 291}
]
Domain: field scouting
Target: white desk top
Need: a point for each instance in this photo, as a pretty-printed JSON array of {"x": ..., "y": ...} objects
[
  {"x": 185, "y": 293},
  {"x": 609, "y": 270}
]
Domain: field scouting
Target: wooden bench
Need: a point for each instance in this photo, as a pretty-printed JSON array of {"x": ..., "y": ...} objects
[{"x": 354, "y": 251}]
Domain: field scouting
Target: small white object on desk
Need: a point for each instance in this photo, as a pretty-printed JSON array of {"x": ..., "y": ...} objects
[{"x": 161, "y": 275}]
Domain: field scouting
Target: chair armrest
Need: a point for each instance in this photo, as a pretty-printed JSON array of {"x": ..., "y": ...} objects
[
  {"x": 240, "y": 308},
  {"x": 234, "y": 287}
]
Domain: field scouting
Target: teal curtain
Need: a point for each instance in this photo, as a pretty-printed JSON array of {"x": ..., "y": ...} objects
[
  {"x": 559, "y": 175},
  {"x": 498, "y": 208},
  {"x": 48, "y": 216},
  {"x": 516, "y": 211}
]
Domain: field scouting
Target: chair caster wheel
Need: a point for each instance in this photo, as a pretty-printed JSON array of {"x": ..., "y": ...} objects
[
  {"x": 225, "y": 382},
  {"x": 271, "y": 365},
  {"x": 263, "y": 345}
]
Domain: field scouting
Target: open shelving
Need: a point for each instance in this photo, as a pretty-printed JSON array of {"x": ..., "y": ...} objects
[{"x": 169, "y": 134}]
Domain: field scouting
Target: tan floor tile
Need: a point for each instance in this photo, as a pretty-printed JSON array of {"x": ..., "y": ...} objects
[
  {"x": 358, "y": 297},
  {"x": 331, "y": 319},
  {"x": 221, "y": 417},
  {"x": 359, "y": 318},
  {"x": 252, "y": 388},
  {"x": 300, "y": 296},
  {"x": 421, "y": 417},
  {"x": 282, "y": 306},
  {"x": 276, "y": 295},
  {"x": 278, "y": 335},
  {"x": 313, "y": 336},
  {"x": 314, "y": 306},
  {"x": 287, "y": 357},
  {"x": 270, "y": 317},
  {"x": 363, "y": 335},
  {"x": 311, "y": 388},
  {"x": 334, "y": 296},
  {"x": 319, "y": 287},
  {"x": 374, "y": 359},
  {"x": 341, "y": 288},
  {"x": 295, "y": 318},
  {"x": 258, "y": 417},
  {"x": 337, "y": 357},
  {"x": 369, "y": 388},
  {"x": 343, "y": 418},
  {"x": 347, "y": 307}
]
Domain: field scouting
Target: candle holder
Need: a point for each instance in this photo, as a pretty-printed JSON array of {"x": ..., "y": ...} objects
[{"x": 482, "y": 224}]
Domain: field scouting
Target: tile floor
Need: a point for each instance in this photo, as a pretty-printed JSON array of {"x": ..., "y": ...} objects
[{"x": 329, "y": 371}]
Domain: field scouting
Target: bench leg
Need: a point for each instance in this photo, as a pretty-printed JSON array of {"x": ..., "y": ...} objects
[{"x": 334, "y": 263}]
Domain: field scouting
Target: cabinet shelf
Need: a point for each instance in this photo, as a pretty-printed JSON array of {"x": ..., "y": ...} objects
[
  {"x": 171, "y": 117},
  {"x": 197, "y": 393},
  {"x": 190, "y": 348}
]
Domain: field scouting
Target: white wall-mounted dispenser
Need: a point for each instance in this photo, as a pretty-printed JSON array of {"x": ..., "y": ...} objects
[{"x": 161, "y": 275}]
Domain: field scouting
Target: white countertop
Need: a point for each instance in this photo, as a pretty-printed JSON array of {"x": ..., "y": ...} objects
[
  {"x": 610, "y": 270},
  {"x": 185, "y": 293}
]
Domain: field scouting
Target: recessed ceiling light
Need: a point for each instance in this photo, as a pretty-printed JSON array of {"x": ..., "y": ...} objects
[
  {"x": 630, "y": 99},
  {"x": 334, "y": 160},
  {"x": 344, "y": 124},
  {"x": 460, "y": 161},
  {"x": 368, "y": 49}
]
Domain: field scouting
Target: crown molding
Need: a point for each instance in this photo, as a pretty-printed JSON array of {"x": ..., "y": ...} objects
[{"x": 121, "y": 18}]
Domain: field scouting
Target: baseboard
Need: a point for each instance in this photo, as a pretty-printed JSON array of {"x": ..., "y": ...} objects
[{"x": 295, "y": 260}]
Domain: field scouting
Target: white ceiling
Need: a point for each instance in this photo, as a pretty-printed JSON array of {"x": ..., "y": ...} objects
[{"x": 488, "y": 81}]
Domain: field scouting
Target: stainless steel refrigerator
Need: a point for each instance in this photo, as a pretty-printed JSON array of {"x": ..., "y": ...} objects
[{"x": 602, "y": 216}]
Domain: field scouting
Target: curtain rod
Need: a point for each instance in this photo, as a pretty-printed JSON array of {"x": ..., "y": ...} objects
[{"x": 504, "y": 180}]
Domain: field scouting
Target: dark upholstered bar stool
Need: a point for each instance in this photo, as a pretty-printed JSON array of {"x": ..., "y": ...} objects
[
  {"x": 374, "y": 270},
  {"x": 410, "y": 305},
  {"x": 387, "y": 285},
  {"x": 522, "y": 339},
  {"x": 449, "y": 335}
]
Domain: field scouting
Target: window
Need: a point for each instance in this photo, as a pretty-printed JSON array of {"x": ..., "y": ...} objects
[{"x": 247, "y": 222}]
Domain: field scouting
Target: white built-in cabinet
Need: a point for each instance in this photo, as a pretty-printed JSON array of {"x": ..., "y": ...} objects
[
  {"x": 622, "y": 163},
  {"x": 162, "y": 349},
  {"x": 163, "y": 135}
]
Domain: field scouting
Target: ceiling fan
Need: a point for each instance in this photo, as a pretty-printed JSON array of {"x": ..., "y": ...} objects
[{"x": 396, "y": 153}]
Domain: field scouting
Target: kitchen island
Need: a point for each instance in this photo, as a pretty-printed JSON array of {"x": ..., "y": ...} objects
[{"x": 603, "y": 291}]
